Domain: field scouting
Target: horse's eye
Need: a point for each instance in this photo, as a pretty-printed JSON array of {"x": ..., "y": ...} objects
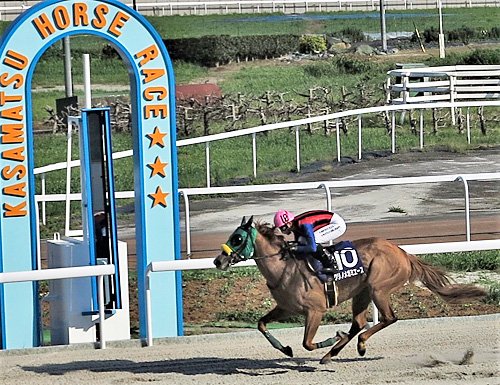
[{"x": 237, "y": 240}]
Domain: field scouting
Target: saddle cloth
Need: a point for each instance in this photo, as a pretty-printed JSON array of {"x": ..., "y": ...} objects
[{"x": 348, "y": 264}]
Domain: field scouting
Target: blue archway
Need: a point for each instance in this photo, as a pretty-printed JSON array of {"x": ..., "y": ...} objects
[{"x": 154, "y": 133}]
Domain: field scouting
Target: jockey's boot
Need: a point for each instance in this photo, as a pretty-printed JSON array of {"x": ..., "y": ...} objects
[{"x": 326, "y": 259}]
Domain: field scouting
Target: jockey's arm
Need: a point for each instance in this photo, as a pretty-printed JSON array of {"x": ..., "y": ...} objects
[{"x": 307, "y": 243}]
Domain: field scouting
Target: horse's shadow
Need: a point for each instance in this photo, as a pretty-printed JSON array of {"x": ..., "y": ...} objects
[{"x": 189, "y": 366}]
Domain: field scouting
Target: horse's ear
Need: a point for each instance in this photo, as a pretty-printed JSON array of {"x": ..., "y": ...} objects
[
  {"x": 243, "y": 221},
  {"x": 249, "y": 223}
]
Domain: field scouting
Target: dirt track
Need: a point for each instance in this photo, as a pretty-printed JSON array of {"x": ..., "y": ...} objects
[{"x": 413, "y": 352}]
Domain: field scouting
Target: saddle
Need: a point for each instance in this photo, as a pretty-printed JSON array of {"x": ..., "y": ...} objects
[{"x": 348, "y": 264}]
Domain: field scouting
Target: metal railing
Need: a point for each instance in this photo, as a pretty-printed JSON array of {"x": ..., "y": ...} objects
[
  {"x": 328, "y": 185},
  {"x": 447, "y": 83}
]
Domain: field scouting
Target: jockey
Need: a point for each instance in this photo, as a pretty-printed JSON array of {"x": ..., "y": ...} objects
[{"x": 310, "y": 230}]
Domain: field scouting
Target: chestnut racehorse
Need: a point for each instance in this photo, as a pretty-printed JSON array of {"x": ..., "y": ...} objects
[{"x": 297, "y": 290}]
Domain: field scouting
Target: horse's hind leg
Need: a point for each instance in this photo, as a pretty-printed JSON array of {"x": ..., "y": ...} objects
[
  {"x": 360, "y": 304},
  {"x": 387, "y": 317},
  {"x": 274, "y": 315}
]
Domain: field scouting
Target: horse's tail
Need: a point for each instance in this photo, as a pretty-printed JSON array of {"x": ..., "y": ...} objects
[{"x": 438, "y": 282}]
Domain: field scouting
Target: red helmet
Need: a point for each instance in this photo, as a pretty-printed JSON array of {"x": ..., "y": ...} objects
[{"x": 282, "y": 216}]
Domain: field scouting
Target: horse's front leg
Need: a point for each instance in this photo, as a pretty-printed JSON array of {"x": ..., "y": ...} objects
[
  {"x": 274, "y": 315},
  {"x": 313, "y": 320}
]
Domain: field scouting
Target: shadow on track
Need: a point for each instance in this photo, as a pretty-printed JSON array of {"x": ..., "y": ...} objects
[{"x": 191, "y": 366}]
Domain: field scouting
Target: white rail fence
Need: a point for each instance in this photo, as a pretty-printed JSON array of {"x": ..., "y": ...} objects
[
  {"x": 98, "y": 271},
  {"x": 10, "y": 9},
  {"x": 327, "y": 186},
  {"x": 295, "y": 124},
  {"x": 163, "y": 8},
  {"x": 446, "y": 83}
]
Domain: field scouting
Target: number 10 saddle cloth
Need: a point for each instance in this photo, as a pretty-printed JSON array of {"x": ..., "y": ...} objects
[{"x": 347, "y": 264}]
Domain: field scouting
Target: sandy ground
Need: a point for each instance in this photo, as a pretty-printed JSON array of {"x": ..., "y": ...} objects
[{"x": 463, "y": 350}]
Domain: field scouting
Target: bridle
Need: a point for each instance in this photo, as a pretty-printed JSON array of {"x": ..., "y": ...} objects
[{"x": 236, "y": 255}]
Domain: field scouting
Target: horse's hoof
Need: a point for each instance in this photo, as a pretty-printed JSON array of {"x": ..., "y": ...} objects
[
  {"x": 326, "y": 359},
  {"x": 288, "y": 351},
  {"x": 341, "y": 334},
  {"x": 361, "y": 348}
]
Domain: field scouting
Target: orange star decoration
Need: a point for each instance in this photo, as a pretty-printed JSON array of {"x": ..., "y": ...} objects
[
  {"x": 159, "y": 197},
  {"x": 156, "y": 138},
  {"x": 158, "y": 167}
]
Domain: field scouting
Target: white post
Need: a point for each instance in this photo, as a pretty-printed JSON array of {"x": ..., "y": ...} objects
[
  {"x": 207, "y": 161},
  {"x": 68, "y": 178},
  {"x": 467, "y": 205},
  {"x": 452, "y": 98},
  {"x": 149, "y": 322},
  {"x": 337, "y": 129},
  {"x": 383, "y": 34},
  {"x": 86, "y": 81},
  {"x": 254, "y": 154},
  {"x": 393, "y": 132},
  {"x": 359, "y": 137},
  {"x": 468, "y": 125},
  {"x": 38, "y": 246},
  {"x": 405, "y": 82},
  {"x": 421, "y": 128},
  {"x": 297, "y": 147},
  {"x": 44, "y": 220},
  {"x": 100, "y": 283},
  {"x": 187, "y": 223},
  {"x": 442, "y": 53}
]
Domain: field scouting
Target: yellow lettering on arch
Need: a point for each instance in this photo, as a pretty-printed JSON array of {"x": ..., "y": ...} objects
[
  {"x": 14, "y": 154},
  {"x": 12, "y": 133},
  {"x": 117, "y": 23},
  {"x": 14, "y": 211},
  {"x": 152, "y": 74},
  {"x": 15, "y": 60},
  {"x": 44, "y": 26},
  {"x": 147, "y": 54},
  {"x": 13, "y": 113},
  {"x": 16, "y": 190}
]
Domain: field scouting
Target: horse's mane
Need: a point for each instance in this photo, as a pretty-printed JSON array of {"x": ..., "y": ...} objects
[{"x": 269, "y": 232}]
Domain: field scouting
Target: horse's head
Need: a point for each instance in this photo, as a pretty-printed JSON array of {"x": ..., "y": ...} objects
[{"x": 239, "y": 247}]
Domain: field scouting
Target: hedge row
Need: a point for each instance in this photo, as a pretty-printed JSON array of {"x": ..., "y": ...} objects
[
  {"x": 464, "y": 34},
  {"x": 217, "y": 50}
]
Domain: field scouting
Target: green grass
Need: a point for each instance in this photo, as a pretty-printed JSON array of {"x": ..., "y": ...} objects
[
  {"x": 297, "y": 79},
  {"x": 210, "y": 274},
  {"x": 172, "y": 27},
  {"x": 466, "y": 261},
  {"x": 250, "y": 24}
]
